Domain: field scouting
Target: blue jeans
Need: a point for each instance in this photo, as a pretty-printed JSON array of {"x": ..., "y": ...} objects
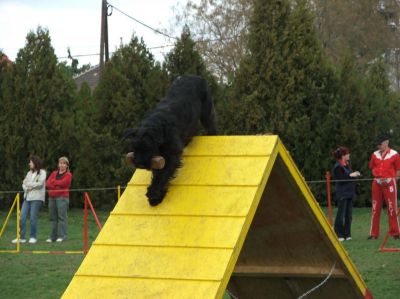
[
  {"x": 343, "y": 219},
  {"x": 32, "y": 208}
]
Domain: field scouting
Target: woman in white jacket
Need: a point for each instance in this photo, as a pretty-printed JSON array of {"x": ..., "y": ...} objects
[{"x": 34, "y": 186}]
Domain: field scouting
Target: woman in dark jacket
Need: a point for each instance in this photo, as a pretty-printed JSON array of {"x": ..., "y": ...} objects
[{"x": 345, "y": 191}]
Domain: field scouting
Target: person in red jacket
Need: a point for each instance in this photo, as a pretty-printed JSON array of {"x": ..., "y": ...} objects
[
  {"x": 58, "y": 185},
  {"x": 385, "y": 166}
]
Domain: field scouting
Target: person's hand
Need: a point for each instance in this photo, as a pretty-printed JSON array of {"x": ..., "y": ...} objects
[{"x": 355, "y": 174}]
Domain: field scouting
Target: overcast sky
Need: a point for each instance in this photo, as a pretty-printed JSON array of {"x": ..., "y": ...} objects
[{"x": 76, "y": 24}]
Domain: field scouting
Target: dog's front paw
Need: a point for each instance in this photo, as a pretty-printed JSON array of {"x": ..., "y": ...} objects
[{"x": 155, "y": 197}]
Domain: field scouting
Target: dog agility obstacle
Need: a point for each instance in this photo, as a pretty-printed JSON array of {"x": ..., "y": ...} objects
[{"x": 238, "y": 216}]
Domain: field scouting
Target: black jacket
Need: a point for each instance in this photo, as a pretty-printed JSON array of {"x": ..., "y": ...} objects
[{"x": 344, "y": 189}]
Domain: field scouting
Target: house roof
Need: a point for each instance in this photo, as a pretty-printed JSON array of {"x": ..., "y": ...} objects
[{"x": 91, "y": 77}]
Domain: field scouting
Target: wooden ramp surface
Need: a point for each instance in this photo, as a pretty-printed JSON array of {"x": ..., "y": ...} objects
[{"x": 237, "y": 216}]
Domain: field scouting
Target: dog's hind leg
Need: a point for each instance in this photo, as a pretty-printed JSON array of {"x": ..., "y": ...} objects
[{"x": 207, "y": 117}]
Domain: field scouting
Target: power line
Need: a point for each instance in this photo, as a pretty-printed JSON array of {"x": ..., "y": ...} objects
[
  {"x": 166, "y": 35},
  {"x": 160, "y": 47},
  {"x": 152, "y": 48},
  {"x": 140, "y": 22},
  {"x": 97, "y": 54},
  {"x": 81, "y": 55},
  {"x": 154, "y": 30}
]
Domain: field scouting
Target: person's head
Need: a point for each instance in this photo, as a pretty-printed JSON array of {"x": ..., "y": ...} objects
[
  {"x": 382, "y": 141},
  {"x": 342, "y": 154},
  {"x": 63, "y": 164},
  {"x": 35, "y": 163}
]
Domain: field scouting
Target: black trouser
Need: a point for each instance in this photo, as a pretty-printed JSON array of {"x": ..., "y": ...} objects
[{"x": 344, "y": 217}]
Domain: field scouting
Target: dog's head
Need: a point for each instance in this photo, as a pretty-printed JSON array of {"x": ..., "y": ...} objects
[{"x": 143, "y": 145}]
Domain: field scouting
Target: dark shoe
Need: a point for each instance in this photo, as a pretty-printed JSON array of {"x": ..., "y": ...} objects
[
  {"x": 372, "y": 238},
  {"x": 396, "y": 237}
]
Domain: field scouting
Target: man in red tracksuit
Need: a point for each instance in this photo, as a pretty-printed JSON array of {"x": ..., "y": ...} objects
[{"x": 385, "y": 166}]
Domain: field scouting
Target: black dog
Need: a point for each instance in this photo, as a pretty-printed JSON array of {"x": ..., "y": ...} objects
[{"x": 169, "y": 128}]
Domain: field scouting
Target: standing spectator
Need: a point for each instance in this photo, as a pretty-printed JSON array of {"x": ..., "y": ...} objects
[
  {"x": 34, "y": 195},
  {"x": 58, "y": 185},
  {"x": 385, "y": 166},
  {"x": 345, "y": 191}
]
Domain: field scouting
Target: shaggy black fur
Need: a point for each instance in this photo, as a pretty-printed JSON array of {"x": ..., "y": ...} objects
[{"x": 169, "y": 128}]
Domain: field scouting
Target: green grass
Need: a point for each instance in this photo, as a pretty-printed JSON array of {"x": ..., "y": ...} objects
[
  {"x": 380, "y": 270},
  {"x": 47, "y": 276},
  {"x": 44, "y": 276}
]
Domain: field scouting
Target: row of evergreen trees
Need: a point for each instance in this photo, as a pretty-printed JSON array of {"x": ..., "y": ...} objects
[{"x": 285, "y": 85}]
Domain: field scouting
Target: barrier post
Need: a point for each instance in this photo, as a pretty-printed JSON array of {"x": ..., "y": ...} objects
[
  {"x": 385, "y": 239},
  {"x": 328, "y": 192},
  {"x": 93, "y": 211},
  {"x": 85, "y": 226},
  {"x": 382, "y": 247},
  {"x": 18, "y": 223},
  {"x": 8, "y": 217}
]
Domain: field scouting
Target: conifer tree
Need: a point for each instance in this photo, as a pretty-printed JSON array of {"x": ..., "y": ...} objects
[
  {"x": 287, "y": 76},
  {"x": 38, "y": 99},
  {"x": 382, "y": 103},
  {"x": 286, "y": 85},
  {"x": 131, "y": 84},
  {"x": 260, "y": 77},
  {"x": 309, "y": 89},
  {"x": 82, "y": 136},
  {"x": 361, "y": 111},
  {"x": 184, "y": 59},
  {"x": 352, "y": 112},
  {"x": 5, "y": 91}
]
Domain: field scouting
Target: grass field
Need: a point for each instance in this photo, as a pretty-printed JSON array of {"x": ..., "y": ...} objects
[{"x": 46, "y": 276}]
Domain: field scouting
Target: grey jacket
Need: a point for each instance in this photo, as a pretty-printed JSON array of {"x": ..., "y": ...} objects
[{"x": 34, "y": 185}]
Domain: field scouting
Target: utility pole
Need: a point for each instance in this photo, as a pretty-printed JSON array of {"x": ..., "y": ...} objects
[{"x": 104, "y": 51}]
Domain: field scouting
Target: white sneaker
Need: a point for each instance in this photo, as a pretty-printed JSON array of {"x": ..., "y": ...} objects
[
  {"x": 59, "y": 240},
  {"x": 32, "y": 241},
  {"x": 49, "y": 240},
  {"x": 341, "y": 239},
  {"x": 20, "y": 240},
  {"x": 348, "y": 238}
]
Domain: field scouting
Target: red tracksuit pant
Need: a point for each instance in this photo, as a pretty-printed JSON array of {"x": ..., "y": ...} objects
[{"x": 389, "y": 193}]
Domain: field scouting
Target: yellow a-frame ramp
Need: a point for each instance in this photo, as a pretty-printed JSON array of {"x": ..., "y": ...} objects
[{"x": 238, "y": 215}]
